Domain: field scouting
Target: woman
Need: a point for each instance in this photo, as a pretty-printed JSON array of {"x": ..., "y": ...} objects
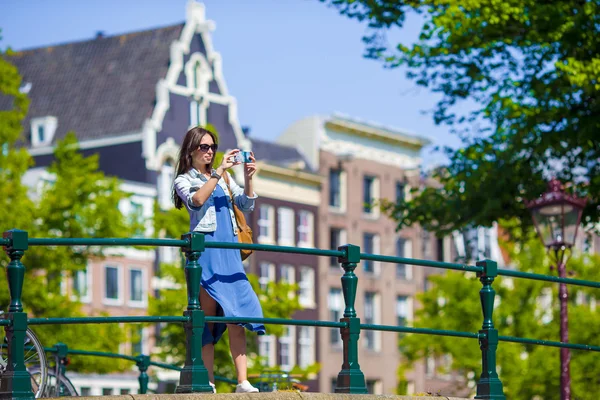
[{"x": 225, "y": 289}]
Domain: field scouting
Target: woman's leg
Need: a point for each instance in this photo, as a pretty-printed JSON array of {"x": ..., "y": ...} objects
[
  {"x": 209, "y": 305},
  {"x": 237, "y": 345}
]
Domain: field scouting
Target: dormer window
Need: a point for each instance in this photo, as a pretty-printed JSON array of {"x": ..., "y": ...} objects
[{"x": 42, "y": 130}]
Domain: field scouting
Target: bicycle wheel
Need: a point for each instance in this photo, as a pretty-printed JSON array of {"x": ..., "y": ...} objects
[
  {"x": 35, "y": 362},
  {"x": 62, "y": 388}
]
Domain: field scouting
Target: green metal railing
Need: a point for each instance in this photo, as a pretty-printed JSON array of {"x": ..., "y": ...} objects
[{"x": 15, "y": 382}]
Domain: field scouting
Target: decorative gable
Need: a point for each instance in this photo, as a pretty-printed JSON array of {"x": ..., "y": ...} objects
[{"x": 42, "y": 130}]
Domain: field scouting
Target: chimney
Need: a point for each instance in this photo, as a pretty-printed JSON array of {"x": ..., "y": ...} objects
[{"x": 99, "y": 34}]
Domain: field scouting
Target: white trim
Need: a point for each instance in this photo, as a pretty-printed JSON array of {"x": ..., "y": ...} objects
[
  {"x": 306, "y": 287},
  {"x": 196, "y": 23},
  {"x": 120, "y": 281},
  {"x": 48, "y": 124},
  {"x": 89, "y": 144},
  {"x": 88, "y": 282},
  {"x": 135, "y": 303},
  {"x": 288, "y": 339}
]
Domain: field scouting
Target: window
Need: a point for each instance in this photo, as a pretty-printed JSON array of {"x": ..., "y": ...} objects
[
  {"x": 194, "y": 113},
  {"x": 287, "y": 347},
  {"x": 137, "y": 340},
  {"x": 107, "y": 391},
  {"x": 266, "y": 224},
  {"x": 85, "y": 391},
  {"x": 136, "y": 286},
  {"x": 40, "y": 133},
  {"x": 371, "y": 246},
  {"x": 335, "y": 188},
  {"x": 165, "y": 184},
  {"x": 441, "y": 255},
  {"x": 426, "y": 244},
  {"x": 305, "y": 229},
  {"x": 266, "y": 349},
  {"x": 372, "y": 316},
  {"x": 306, "y": 346},
  {"x": 136, "y": 218},
  {"x": 404, "y": 250},
  {"x": 285, "y": 226},
  {"x": 112, "y": 292},
  {"x": 400, "y": 192},
  {"x": 368, "y": 197},
  {"x": 403, "y": 310},
  {"x": 125, "y": 391},
  {"x": 337, "y": 238},
  {"x": 374, "y": 386},
  {"x": 267, "y": 274},
  {"x": 82, "y": 284},
  {"x": 336, "y": 308},
  {"x": 487, "y": 243},
  {"x": 306, "y": 287},
  {"x": 287, "y": 274}
]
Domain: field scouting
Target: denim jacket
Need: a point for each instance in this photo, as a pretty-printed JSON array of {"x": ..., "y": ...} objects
[{"x": 204, "y": 218}]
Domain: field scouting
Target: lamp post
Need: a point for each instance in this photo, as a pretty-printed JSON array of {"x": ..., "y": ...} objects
[{"x": 556, "y": 216}]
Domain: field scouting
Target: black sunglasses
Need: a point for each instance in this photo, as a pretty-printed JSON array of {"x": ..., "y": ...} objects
[{"x": 204, "y": 147}]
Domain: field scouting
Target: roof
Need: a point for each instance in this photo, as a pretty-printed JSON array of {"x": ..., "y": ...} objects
[
  {"x": 279, "y": 154},
  {"x": 98, "y": 88},
  {"x": 382, "y": 130}
]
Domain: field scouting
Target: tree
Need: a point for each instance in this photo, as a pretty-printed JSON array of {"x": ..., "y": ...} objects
[
  {"x": 531, "y": 72},
  {"x": 76, "y": 201},
  {"x": 524, "y": 308}
]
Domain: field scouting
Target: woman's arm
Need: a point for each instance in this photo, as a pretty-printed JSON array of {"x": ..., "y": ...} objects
[{"x": 202, "y": 194}]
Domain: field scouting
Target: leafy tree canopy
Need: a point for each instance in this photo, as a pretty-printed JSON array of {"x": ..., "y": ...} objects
[
  {"x": 75, "y": 200},
  {"x": 524, "y": 308},
  {"x": 531, "y": 69}
]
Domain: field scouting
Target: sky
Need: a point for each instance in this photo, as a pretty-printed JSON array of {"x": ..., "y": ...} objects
[{"x": 282, "y": 59}]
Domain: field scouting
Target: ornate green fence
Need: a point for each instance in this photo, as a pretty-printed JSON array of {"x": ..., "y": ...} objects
[{"x": 15, "y": 382}]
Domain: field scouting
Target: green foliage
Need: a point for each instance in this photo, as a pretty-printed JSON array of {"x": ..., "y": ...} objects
[
  {"x": 76, "y": 201},
  {"x": 526, "y": 371},
  {"x": 530, "y": 73}
]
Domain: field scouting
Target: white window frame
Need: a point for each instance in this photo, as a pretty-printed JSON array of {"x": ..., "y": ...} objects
[
  {"x": 376, "y": 319},
  {"x": 268, "y": 223},
  {"x": 120, "y": 281},
  {"x": 264, "y": 280},
  {"x": 306, "y": 346},
  {"x": 343, "y": 195},
  {"x": 88, "y": 283},
  {"x": 287, "y": 274},
  {"x": 306, "y": 287},
  {"x": 343, "y": 239},
  {"x": 408, "y": 308},
  {"x": 288, "y": 339},
  {"x": 144, "y": 301},
  {"x": 335, "y": 304},
  {"x": 48, "y": 124},
  {"x": 376, "y": 250},
  {"x": 165, "y": 184},
  {"x": 285, "y": 238},
  {"x": 408, "y": 253},
  {"x": 266, "y": 344},
  {"x": 308, "y": 229},
  {"x": 375, "y": 212}
]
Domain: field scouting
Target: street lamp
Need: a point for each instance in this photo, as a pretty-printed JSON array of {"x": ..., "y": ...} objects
[{"x": 556, "y": 216}]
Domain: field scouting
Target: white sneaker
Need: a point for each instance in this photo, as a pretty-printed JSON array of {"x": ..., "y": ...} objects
[
  {"x": 245, "y": 387},
  {"x": 213, "y": 386}
]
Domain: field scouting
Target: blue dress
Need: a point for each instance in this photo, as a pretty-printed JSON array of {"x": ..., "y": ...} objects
[{"x": 224, "y": 278}]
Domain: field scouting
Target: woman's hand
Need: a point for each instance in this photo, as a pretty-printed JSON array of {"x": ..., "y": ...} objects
[
  {"x": 228, "y": 161},
  {"x": 250, "y": 168}
]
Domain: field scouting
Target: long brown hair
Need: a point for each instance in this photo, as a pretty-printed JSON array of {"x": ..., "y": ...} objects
[{"x": 191, "y": 142}]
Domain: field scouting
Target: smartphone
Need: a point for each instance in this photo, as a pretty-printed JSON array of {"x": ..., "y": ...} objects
[{"x": 242, "y": 157}]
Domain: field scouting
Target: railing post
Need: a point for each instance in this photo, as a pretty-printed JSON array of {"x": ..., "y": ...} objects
[
  {"x": 143, "y": 362},
  {"x": 62, "y": 352},
  {"x": 194, "y": 376},
  {"x": 16, "y": 382},
  {"x": 350, "y": 379},
  {"x": 489, "y": 385}
]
